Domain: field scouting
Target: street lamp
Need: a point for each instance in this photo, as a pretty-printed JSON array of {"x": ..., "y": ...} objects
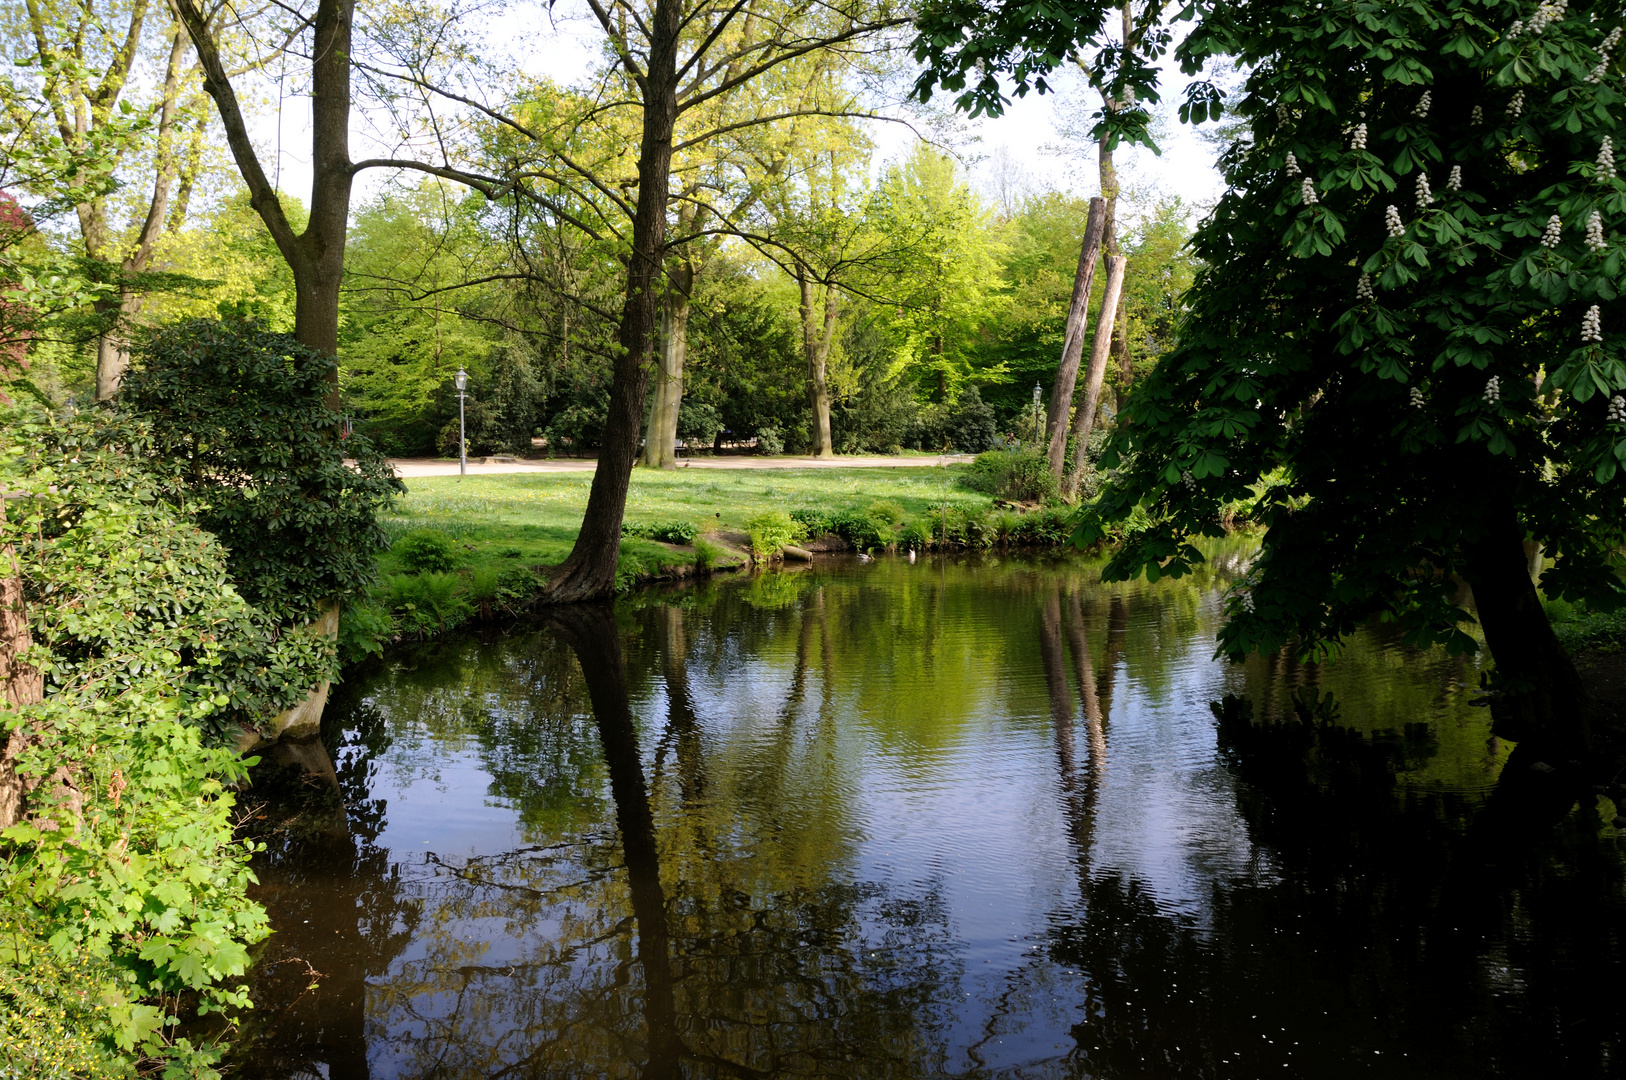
[
  {"x": 461, "y": 381},
  {"x": 1038, "y": 414}
]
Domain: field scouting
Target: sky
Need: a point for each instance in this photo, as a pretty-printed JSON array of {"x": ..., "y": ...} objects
[{"x": 1022, "y": 151}]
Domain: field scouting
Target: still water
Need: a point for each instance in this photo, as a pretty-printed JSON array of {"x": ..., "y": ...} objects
[{"x": 962, "y": 817}]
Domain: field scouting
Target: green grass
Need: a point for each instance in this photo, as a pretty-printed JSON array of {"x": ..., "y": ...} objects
[{"x": 537, "y": 515}]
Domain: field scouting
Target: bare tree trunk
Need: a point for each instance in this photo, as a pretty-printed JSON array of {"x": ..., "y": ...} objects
[
  {"x": 22, "y": 685},
  {"x": 1545, "y": 703},
  {"x": 113, "y": 347},
  {"x": 1061, "y": 391},
  {"x": 1084, "y": 419},
  {"x": 661, "y": 436},
  {"x": 816, "y": 352},
  {"x": 589, "y": 571}
]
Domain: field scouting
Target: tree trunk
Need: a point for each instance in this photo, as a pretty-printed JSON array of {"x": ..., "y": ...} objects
[
  {"x": 590, "y": 630},
  {"x": 589, "y": 571},
  {"x": 816, "y": 352},
  {"x": 1542, "y": 700},
  {"x": 1072, "y": 348},
  {"x": 661, "y": 436},
  {"x": 20, "y": 684},
  {"x": 1084, "y": 419}
]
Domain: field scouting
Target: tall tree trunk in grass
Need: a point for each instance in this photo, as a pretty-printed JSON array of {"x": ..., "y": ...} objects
[
  {"x": 1078, "y": 317},
  {"x": 1084, "y": 419},
  {"x": 816, "y": 342},
  {"x": 589, "y": 571}
]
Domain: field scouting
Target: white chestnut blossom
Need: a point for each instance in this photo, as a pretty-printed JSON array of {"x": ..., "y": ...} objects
[
  {"x": 1610, "y": 42},
  {"x": 1516, "y": 29},
  {"x": 1187, "y": 479},
  {"x": 1515, "y": 107},
  {"x": 1416, "y": 397},
  {"x": 1423, "y": 104},
  {"x": 1357, "y": 138},
  {"x": 1363, "y": 287},
  {"x": 1247, "y": 601},
  {"x": 1291, "y": 165},
  {"x": 1493, "y": 390},
  {"x": 1594, "y": 232},
  {"x": 1553, "y": 233},
  {"x": 1424, "y": 194},
  {"x": 1592, "y": 324},
  {"x": 1454, "y": 181},
  {"x": 1477, "y": 117},
  {"x": 1617, "y": 410},
  {"x": 1606, "y": 158},
  {"x": 1599, "y": 73},
  {"x": 1391, "y": 220},
  {"x": 1307, "y": 192},
  {"x": 1546, "y": 15}
]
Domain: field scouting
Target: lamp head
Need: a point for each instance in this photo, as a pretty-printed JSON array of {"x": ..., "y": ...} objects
[{"x": 461, "y": 379}]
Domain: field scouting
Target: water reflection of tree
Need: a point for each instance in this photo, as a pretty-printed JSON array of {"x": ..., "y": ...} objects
[{"x": 339, "y": 913}]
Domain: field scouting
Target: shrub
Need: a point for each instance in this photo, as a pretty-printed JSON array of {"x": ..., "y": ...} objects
[
  {"x": 770, "y": 442},
  {"x": 812, "y": 522},
  {"x": 239, "y": 421},
  {"x": 706, "y": 555},
  {"x": 916, "y": 534},
  {"x": 364, "y": 627},
  {"x": 427, "y": 550},
  {"x": 770, "y": 532},
  {"x": 426, "y": 602},
  {"x": 1021, "y": 475},
  {"x": 123, "y": 894},
  {"x": 1049, "y": 527},
  {"x": 971, "y": 426}
]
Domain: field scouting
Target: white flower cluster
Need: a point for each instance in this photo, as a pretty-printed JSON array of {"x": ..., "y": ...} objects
[
  {"x": 1592, "y": 324},
  {"x": 1416, "y": 397},
  {"x": 1247, "y": 601},
  {"x": 1423, "y": 104},
  {"x": 1357, "y": 138},
  {"x": 1553, "y": 233},
  {"x": 1546, "y": 15},
  {"x": 1424, "y": 194},
  {"x": 1477, "y": 117},
  {"x": 1291, "y": 165},
  {"x": 1391, "y": 220},
  {"x": 1516, "y": 29},
  {"x": 1515, "y": 108},
  {"x": 1281, "y": 113},
  {"x": 1454, "y": 181},
  {"x": 1363, "y": 287},
  {"x": 1307, "y": 192},
  {"x": 1493, "y": 390},
  {"x": 1606, "y": 158},
  {"x": 1594, "y": 232},
  {"x": 1187, "y": 479},
  {"x": 1598, "y": 73},
  {"x": 1617, "y": 409}
]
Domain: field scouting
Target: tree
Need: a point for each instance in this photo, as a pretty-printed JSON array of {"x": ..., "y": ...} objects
[
  {"x": 90, "y": 64},
  {"x": 1398, "y": 341}
]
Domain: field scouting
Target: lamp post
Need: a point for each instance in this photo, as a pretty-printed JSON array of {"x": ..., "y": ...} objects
[
  {"x": 461, "y": 381},
  {"x": 1038, "y": 415}
]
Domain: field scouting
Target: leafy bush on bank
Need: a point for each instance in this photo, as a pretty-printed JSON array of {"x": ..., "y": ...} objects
[
  {"x": 121, "y": 881},
  {"x": 1017, "y": 475}
]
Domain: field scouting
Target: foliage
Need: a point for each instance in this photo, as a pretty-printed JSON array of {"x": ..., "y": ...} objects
[
  {"x": 1580, "y": 630},
  {"x": 427, "y": 549},
  {"x": 1019, "y": 475},
  {"x": 117, "y": 582},
  {"x": 364, "y": 629},
  {"x": 769, "y": 442},
  {"x": 770, "y": 532},
  {"x": 667, "y": 532},
  {"x": 239, "y": 416},
  {"x": 123, "y": 890},
  {"x": 1400, "y": 310}
]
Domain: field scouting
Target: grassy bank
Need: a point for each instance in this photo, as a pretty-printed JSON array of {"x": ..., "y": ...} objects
[{"x": 532, "y": 518}]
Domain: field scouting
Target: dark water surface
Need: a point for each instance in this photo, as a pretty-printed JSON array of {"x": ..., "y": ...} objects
[{"x": 949, "y": 818}]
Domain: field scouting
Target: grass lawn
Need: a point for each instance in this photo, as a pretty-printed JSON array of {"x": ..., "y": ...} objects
[{"x": 533, "y": 518}]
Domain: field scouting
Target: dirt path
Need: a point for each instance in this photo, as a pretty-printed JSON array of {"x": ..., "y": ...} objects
[{"x": 408, "y": 467}]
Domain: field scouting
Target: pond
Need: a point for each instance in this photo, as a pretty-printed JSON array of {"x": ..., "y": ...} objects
[{"x": 953, "y": 817}]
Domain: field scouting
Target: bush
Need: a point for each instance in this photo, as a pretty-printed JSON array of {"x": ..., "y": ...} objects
[
  {"x": 971, "y": 426},
  {"x": 364, "y": 628},
  {"x": 770, "y": 533},
  {"x": 769, "y": 442},
  {"x": 123, "y": 894},
  {"x": 812, "y": 522},
  {"x": 1020, "y": 475},
  {"x": 426, "y": 602},
  {"x": 427, "y": 550},
  {"x": 668, "y": 532},
  {"x": 239, "y": 421},
  {"x": 706, "y": 555}
]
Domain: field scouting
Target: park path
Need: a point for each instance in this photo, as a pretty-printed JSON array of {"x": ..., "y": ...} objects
[{"x": 408, "y": 467}]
